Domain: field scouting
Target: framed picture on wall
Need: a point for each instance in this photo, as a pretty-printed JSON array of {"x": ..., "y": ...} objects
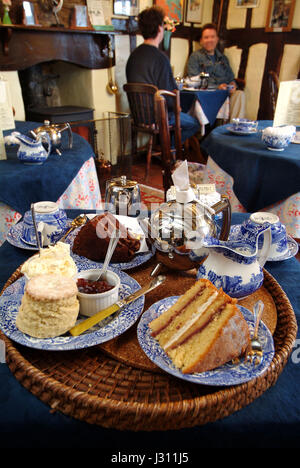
[
  {"x": 29, "y": 14},
  {"x": 247, "y": 3},
  {"x": 173, "y": 9},
  {"x": 193, "y": 11},
  {"x": 280, "y": 15},
  {"x": 126, "y": 7},
  {"x": 80, "y": 18}
]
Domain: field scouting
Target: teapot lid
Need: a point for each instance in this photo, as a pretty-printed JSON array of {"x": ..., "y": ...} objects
[
  {"x": 48, "y": 127},
  {"x": 122, "y": 182}
]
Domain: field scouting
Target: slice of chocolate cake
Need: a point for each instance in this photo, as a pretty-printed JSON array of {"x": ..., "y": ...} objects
[{"x": 93, "y": 238}]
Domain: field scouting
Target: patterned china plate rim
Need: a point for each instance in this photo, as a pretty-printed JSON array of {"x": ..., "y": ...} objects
[
  {"x": 241, "y": 132},
  {"x": 112, "y": 326},
  {"x": 228, "y": 374},
  {"x": 292, "y": 246}
]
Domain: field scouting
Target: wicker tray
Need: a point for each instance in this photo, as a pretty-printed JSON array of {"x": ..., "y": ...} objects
[{"x": 115, "y": 386}]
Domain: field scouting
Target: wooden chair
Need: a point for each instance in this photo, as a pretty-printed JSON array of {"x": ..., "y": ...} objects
[
  {"x": 161, "y": 113},
  {"x": 141, "y": 103},
  {"x": 274, "y": 87}
]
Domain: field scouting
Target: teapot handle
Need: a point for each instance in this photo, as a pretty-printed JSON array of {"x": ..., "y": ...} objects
[
  {"x": 224, "y": 206},
  {"x": 70, "y": 134}
]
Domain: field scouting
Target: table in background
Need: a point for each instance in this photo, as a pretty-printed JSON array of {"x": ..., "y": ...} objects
[
  {"x": 270, "y": 421},
  {"x": 255, "y": 178},
  {"x": 70, "y": 179},
  {"x": 205, "y": 105}
]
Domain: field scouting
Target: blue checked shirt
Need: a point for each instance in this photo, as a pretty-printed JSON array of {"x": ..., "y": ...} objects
[{"x": 216, "y": 65}]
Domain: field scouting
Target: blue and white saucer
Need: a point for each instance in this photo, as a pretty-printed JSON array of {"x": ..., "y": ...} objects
[
  {"x": 241, "y": 132},
  {"x": 106, "y": 330},
  {"x": 293, "y": 246},
  {"x": 228, "y": 374}
]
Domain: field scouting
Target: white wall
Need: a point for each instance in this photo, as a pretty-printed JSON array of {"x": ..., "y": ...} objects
[{"x": 15, "y": 91}]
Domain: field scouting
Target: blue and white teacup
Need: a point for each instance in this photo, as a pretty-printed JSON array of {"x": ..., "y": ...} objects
[
  {"x": 244, "y": 125},
  {"x": 279, "y": 245},
  {"x": 51, "y": 223}
]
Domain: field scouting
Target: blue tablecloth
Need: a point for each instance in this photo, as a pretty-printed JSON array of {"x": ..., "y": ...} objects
[
  {"x": 271, "y": 421},
  {"x": 211, "y": 101},
  {"x": 261, "y": 177},
  {"x": 23, "y": 184}
]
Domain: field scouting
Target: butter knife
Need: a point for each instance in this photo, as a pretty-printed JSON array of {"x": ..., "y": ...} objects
[{"x": 102, "y": 314}]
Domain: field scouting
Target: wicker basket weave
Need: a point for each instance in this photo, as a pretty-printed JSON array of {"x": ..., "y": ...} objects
[{"x": 91, "y": 386}]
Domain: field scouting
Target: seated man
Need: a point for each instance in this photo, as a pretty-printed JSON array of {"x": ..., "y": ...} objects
[
  {"x": 210, "y": 60},
  {"x": 147, "y": 64}
]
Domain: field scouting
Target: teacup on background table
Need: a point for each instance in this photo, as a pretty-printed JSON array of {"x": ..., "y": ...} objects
[
  {"x": 244, "y": 125},
  {"x": 51, "y": 223},
  {"x": 279, "y": 246}
]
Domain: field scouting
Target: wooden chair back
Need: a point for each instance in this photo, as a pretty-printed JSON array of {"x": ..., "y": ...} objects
[
  {"x": 141, "y": 99},
  {"x": 141, "y": 102}
]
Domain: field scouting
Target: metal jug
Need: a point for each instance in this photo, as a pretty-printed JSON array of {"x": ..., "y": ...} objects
[
  {"x": 123, "y": 196},
  {"x": 54, "y": 131}
]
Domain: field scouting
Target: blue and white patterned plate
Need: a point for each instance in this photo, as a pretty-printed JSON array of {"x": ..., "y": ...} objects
[
  {"x": 84, "y": 263},
  {"x": 292, "y": 245},
  {"x": 14, "y": 236},
  {"x": 228, "y": 374},
  {"x": 109, "y": 328}
]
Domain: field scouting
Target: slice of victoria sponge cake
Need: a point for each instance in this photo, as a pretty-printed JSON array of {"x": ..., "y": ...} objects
[{"x": 202, "y": 330}]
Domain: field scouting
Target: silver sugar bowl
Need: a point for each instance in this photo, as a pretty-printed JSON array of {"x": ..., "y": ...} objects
[{"x": 123, "y": 196}]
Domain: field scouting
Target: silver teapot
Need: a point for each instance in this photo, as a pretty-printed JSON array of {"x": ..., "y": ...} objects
[
  {"x": 54, "y": 131},
  {"x": 172, "y": 227},
  {"x": 123, "y": 196}
]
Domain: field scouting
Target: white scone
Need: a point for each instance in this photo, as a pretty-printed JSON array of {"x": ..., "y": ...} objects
[{"x": 49, "y": 306}]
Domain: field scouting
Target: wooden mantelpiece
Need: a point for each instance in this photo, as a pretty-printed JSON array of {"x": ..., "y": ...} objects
[{"x": 25, "y": 46}]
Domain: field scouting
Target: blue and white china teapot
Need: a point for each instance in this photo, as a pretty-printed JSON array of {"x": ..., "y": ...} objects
[
  {"x": 30, "y": 151},
  {"x": 236, "y": 265}
]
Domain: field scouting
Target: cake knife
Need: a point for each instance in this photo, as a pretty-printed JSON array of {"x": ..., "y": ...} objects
[{"x": 102, "y": 314}]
